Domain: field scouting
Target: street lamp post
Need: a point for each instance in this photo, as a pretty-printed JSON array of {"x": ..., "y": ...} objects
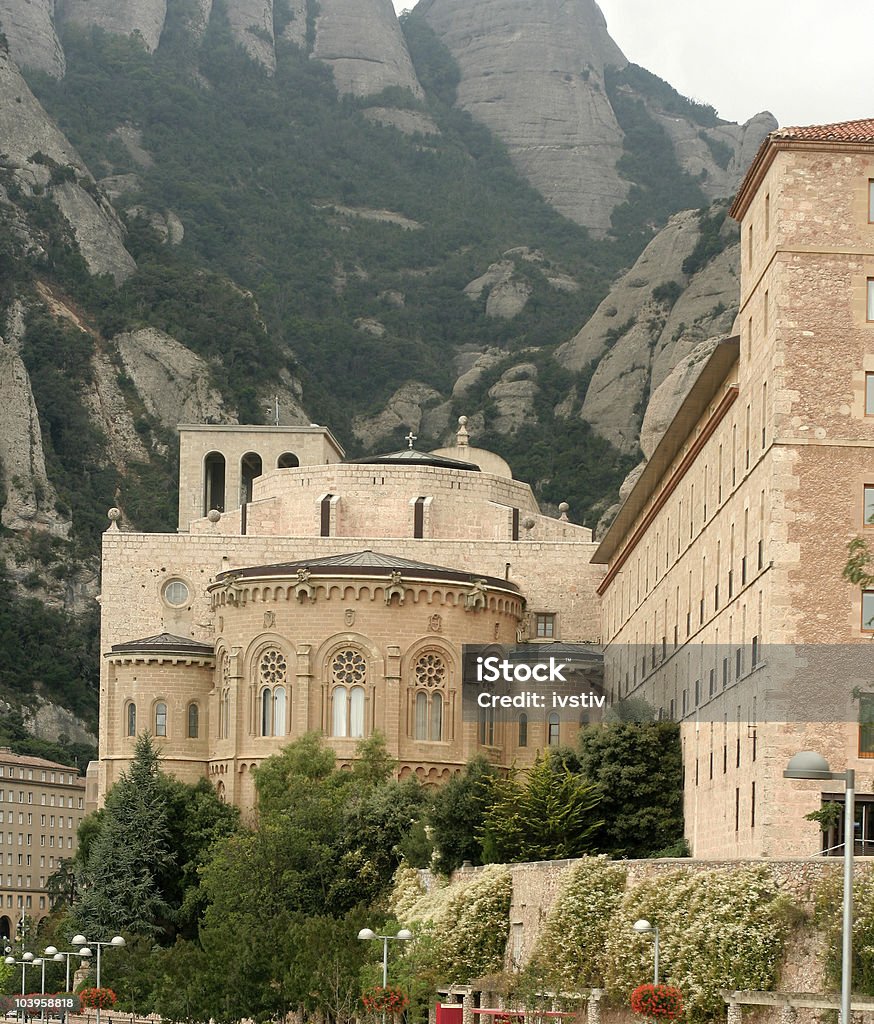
[
  {"x": 65, "y": 955},
  {"x": 643, "y": 927},
  {"x": 26, "y": 959},
  {"x": 366, "y": 934},
  {"x": 809, "y": 765},
  {"x": 117, "y": 941}
]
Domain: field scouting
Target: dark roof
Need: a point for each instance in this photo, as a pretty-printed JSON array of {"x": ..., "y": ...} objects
[
  {"x": 411, "y": 457},
  {"x": 365, "y": 563},
  {"x": 165, "y": 643}
]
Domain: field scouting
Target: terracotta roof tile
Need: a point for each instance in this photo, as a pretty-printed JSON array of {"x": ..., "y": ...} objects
[{"x": 841, "y": 131}]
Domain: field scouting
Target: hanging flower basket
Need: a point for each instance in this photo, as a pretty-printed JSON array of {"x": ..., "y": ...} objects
[
  {"x": 660, "y": 1002},
  {"x": 98, "y": 998},
  {"x": 385, "y": 1000}
]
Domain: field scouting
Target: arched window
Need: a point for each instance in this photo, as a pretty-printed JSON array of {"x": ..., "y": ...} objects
[
  {"x": 226, "y": 708},
  {"x": 273, "y": 676},
  {"x": 279, "y": 711},
  {"x": 288, "y": 460},
  {"x": 251, "y": 468},
  {"x": 430, "y": 682},
  {"x": 266, "y": 711},
  {"x": 214, "y": 482},
  {"x": 348, "y": 673},
  {"x": 160, "y": 719},
  {"x": 193, "y": 721},
  {"x": 523, "y": 730},
  {"x": 552, "y": 732},
  {"x": 131, "y": 725}
]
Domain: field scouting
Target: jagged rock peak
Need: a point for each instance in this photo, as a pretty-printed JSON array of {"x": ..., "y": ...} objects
[
  {"x": 29, "y": 28},
  {"x": 533, "y": 72},
  {"x": 143, "y": 18},
  {"x": 361, "y": 41}
]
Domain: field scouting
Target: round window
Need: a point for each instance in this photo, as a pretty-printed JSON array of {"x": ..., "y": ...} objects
[{"x": 176, "y": 593}]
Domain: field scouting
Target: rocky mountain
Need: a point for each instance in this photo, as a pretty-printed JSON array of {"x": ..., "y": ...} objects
[
  {"x": 546, "y": 77},
  {"x": 483, "y": 210}
]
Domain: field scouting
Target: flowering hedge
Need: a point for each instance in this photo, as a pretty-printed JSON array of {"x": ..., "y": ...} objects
[
  {"x": 568, "y": 952},
  {"x": 98, "y": 998},
  {"x": 385, "y": 1000},
  {"x": 461, "y": 929},
  {"x": 717, "y": 930},
  {"x": 663, "y": 1002}
]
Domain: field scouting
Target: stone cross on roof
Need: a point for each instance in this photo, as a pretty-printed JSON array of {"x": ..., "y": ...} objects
[{"x": 410, "y": 438}]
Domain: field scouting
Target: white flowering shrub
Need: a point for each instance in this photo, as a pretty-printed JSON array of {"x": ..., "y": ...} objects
[
  {"x": 717, "y": 929},
  {"x": 571, "y": 944},
  {"x": 828, "y": 918},
  {"x": 462, "y": 928}
]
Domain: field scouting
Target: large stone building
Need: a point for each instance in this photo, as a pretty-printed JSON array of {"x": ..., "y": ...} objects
[
  {"x": 41, "y": 805},
  {"x": 303, "y": 593},
  {"x": 723, "y": 601}
]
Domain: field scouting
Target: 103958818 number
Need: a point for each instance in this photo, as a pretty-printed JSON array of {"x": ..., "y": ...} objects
[{"x": 70, "y": 1003}]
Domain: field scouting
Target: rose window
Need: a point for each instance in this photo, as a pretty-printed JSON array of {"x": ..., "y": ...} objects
[
  {"x": 273, "y": 668},
  {"x": 348, "y": 668},
  {"x": 430, "y": 671}
]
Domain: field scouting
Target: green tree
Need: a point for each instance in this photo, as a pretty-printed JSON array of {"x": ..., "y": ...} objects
[
  {"x": 638, "y": 768},
  {"x": 456, "y": 815},
  {"x": 546, "y": 812},
  {"x": 119, "y": 879}
]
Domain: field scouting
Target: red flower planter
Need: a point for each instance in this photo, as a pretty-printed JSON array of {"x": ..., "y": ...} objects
[
  {"x": 385, "y": 1000},
  {"x": 98, "y": 998},
  {"x": 661, "y": 1002}
]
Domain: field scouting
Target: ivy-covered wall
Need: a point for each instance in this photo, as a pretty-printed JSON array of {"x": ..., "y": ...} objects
[{"x": 568, "y": 927}]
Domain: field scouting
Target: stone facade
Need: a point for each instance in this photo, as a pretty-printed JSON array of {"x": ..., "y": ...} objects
[
  {"x": 41, "y": 805},
  {"x": 730, "y": 548},
  {"x": 335, "y": 598}
]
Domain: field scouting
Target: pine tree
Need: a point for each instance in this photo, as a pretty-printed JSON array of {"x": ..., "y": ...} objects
[{"x": 119, "y": 880}]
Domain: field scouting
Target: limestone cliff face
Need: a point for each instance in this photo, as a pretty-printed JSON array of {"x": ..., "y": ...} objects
[
  {"x": 533, "y": 71},
  {"x": 172, "y": 381},
  {"x": 653, "y": 318},
  {"x": 25, "y": 128},
  {"x": 142, "y": 18},
  {"x": 30, "y": 498},
  {"x": 251, "y": 23},
  {"x": 362, "y": 43},
  {"x": 29, "y": 27}
]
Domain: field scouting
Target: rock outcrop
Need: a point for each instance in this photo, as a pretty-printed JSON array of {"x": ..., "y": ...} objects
[
  {"x": 513, "y": 396},
  {"x": 364, "y": 47},
  {"x": 406, "y": 408},
  {"x": 653, "y": 317},
  {"x": 295, "y": 30},
  {"x": 25, "y": 128},
  {"x": 29, "y": 27},
  {"x": 141, "y": 18},
  {"x": 533, "y": 72},
  {"x": 251, "y": 24},
  {"x": 30, "y": 498},
  {"x": 98, "y": 232},
  {"x": 173, "y": 382}
]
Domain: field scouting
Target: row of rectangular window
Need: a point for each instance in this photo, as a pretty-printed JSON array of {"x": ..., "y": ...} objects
[
  {"x": 43, "y": 803},
  {"x": 28, "y": 836},
  {"x": 9, "y": 771}
]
